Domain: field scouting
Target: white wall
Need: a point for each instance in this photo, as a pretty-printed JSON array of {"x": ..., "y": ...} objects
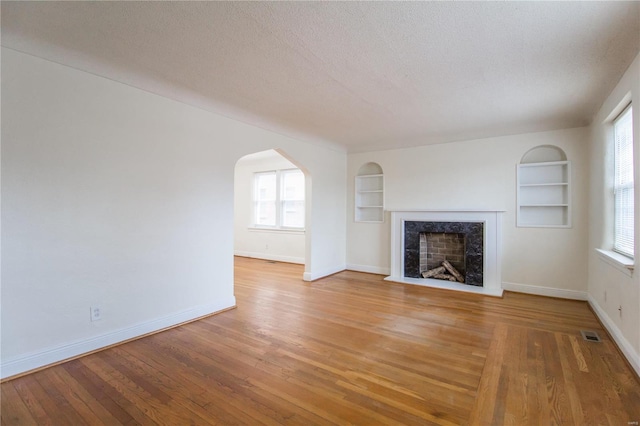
[
  {"x": 622, "y": 290},
  {"x": 115, "y": 197},
  {"x": 284, "y": 246},
  {"x": 481, "y": 174}
]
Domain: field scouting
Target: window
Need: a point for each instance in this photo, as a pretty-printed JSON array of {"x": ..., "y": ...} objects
[
  {"x": 279, "y": 199},
  {"x": 623, "y": 184}
]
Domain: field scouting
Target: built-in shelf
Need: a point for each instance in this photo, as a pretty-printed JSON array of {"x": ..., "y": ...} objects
[
  {"x": 369, "y": 200},
  {"x": 544, "y": 194}
]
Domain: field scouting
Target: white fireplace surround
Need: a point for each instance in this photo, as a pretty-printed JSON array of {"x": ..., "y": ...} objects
[{"x": 492, "y": 251}]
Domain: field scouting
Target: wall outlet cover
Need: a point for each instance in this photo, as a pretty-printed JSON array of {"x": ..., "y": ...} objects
[{"x": 96, "y": 313}]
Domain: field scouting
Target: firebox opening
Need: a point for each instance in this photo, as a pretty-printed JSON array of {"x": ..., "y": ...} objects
[
  {"x": 442, "y": 256},
  {"x": 473, "y": 247}
]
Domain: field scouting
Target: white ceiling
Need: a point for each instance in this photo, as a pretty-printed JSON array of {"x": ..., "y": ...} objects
[{"x": 365, "y": 75}]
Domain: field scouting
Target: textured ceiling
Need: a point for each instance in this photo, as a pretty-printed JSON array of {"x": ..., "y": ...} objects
[{"x": 364, "y": 75}]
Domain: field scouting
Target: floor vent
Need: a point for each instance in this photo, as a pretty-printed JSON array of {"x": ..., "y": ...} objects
[{"x": 591, "y": 336}]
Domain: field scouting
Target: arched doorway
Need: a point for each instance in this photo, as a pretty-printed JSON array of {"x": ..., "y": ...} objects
[{"x": 271, "y": 208}]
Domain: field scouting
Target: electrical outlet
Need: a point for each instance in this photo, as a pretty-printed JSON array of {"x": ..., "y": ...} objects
[
  {"x": 620, "y": 310},
  {"x": 95, "y": 313}
]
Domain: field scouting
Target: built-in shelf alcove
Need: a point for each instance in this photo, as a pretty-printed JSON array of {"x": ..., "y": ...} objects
[
  {"x": 544, "y": 188},
  {"x": 369, "y": 194}
]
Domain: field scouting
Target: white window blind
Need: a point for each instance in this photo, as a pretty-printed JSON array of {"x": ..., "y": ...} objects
[
  {"x": 623, "y": 184},
  {"x": 279, "y": 199}
]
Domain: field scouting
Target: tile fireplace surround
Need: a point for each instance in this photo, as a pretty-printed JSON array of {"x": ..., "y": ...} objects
[{"x": 492, "y": 247}]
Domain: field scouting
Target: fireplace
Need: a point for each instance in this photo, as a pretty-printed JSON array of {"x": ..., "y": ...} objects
[
  {"x": 471, "y": 232},
  {"x": 479, "y": 232}
]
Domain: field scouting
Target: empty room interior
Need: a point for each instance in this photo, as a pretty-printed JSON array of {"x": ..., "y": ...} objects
[{"x": 320, "y": 213}]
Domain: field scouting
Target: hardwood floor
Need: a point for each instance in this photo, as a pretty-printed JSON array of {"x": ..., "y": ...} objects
[{"x": 347, "y": 349}]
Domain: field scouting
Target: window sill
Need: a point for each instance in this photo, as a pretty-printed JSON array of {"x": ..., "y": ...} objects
[
  {"x": 622, "y": 263},
  {"x": 276, "y": 230}
]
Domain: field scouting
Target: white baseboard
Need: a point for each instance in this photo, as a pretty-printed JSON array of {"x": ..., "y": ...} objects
[
  {"x": 268, "y": 256},
  {"x": 56, "y": 354},
  {"x": 369, "y": 269},
  {"x": 545, "y": 291},
  {"x": 627, "y": 349},
  {"x": 316, "y": 275}
]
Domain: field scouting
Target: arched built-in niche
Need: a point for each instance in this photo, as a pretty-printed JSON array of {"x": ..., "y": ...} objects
[
  {"x": 369, "y": 194},
  {"x": 543, "y": 154},
  {"x": 544, "y": 188},
  {"x": 281, "y": 242}
]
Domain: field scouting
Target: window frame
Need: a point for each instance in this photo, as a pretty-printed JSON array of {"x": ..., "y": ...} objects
[
  {"x": 279, "y": 201},
  {"x": 621, "y": 243}
]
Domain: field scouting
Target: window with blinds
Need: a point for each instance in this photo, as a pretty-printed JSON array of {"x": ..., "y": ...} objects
[{"x": 623, "y": 184}]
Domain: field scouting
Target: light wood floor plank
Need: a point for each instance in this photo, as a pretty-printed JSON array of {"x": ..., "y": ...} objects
[{"x": 346, "y": 349}]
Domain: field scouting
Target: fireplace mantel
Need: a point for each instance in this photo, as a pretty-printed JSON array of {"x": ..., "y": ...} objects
[{"x": 492, "y": 220}]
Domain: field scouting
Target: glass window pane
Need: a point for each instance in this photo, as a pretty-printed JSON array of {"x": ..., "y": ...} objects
[
  {"x": 266, "y": 213},
  {"x": 292, "y": 185},
  {"x": 292, "y": 195},
  {"x": 266, "y": 186},
  {"x": 265, "y": 199},
  {"x": 293, "y": 214}
]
